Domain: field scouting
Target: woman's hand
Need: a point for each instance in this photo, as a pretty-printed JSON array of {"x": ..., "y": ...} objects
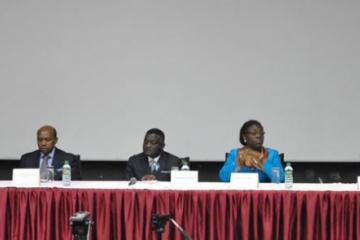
[{"x": 249, "y": 158}]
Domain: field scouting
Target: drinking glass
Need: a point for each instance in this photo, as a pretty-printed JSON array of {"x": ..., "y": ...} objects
[
  {"x": 275, "y": 178},
  {"x": 47, "y": 175},
  {"x": 174, "y": 168}
]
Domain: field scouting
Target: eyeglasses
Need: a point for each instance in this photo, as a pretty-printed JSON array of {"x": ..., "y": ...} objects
[{"x": 256, "y": 133}]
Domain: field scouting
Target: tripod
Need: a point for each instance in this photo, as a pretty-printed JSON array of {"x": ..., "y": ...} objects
[{"x": 159, "y": 221}]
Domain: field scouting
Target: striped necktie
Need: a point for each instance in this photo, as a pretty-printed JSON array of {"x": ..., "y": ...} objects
[
  {"x": 44, "y": 167},
  {"x": 152, "y": 165}
]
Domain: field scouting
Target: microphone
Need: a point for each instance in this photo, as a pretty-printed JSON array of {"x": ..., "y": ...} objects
[
  {"x": 320, "y": 180},
  {"x": 132, "y": 181}
]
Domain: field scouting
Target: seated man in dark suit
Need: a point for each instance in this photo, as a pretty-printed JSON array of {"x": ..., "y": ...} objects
[
  {"x": 46, "y": 140},
  {"x": 153, "y": 163}
]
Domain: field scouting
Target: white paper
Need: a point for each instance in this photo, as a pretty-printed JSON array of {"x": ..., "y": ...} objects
[
  {"x": 244, "y": 180},
  {"x": 26, "y": 177},
  {"x": 184, "y": 177}
]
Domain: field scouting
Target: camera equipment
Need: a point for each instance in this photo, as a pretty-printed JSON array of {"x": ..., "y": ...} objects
[
  {"x": 159, "y": 221},
  {"x": 81, "y": 224}
]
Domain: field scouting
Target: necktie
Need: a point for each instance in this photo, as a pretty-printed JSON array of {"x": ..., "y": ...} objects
[
  {"x": 152, "y": 165},
  {"x": 44, "y": 175}
]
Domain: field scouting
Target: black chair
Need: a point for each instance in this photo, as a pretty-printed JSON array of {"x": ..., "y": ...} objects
[
  {"x": 226, "y": 155},
  {"x": 282, "y": 159}
]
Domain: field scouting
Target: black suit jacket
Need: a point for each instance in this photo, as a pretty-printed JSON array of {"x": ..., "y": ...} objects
[
  {"x": 32, "y": 160},
  {"x": 138, "y": 166}
]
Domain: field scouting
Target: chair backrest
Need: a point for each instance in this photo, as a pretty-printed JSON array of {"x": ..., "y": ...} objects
[
  {"x": 226, "y": 155},
  {"x": 282, "y": 159}
]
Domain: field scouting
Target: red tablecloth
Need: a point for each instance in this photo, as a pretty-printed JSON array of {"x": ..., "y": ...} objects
[{"x": 43, "y": 213}]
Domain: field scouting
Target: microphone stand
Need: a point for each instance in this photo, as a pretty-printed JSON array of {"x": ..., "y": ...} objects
[
  {"x": 159, "y": 222},
  {"x": 183, "y": 232}
]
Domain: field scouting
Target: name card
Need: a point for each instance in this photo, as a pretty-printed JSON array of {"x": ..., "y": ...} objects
[
  {"x": 244, "y": 180},
  {"x": 184, "y": 177},
  {"x": 29, "y": 177}
]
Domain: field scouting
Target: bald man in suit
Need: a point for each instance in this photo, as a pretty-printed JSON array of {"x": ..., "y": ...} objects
[{"x": 46, "y": 140}]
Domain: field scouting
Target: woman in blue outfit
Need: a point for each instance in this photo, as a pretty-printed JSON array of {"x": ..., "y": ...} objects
[{"x": 253, "y": 156}]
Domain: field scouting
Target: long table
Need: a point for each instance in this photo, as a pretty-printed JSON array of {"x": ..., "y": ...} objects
[{"x": 208, "y": 211}]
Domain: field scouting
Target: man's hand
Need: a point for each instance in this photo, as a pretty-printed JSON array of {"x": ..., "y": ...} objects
[{"x": 148, "y": 177}]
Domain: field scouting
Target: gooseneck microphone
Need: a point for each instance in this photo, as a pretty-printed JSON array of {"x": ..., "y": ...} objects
[{"x": 132, "y": 181}]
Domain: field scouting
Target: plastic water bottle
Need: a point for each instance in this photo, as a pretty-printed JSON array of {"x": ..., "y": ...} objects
[
  {"x": 185, "y": 164},
  {"x": 289, "y": 180},
  {"x": 66, "y": 174},
  {"x": 185, "y": 168}
]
